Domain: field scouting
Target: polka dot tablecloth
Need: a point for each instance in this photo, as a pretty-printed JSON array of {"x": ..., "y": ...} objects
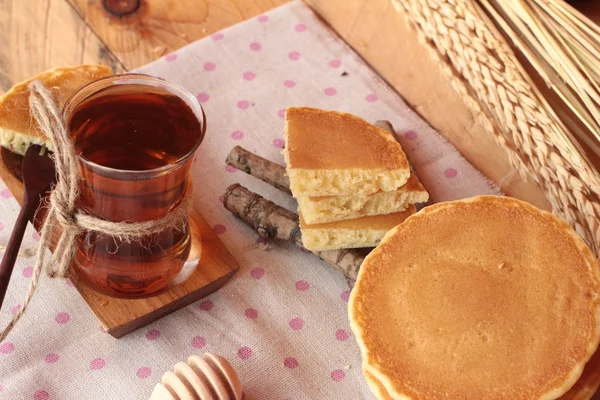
[{"x": 282, "y": 320}]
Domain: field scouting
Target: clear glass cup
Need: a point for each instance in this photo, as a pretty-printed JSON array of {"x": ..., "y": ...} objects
[{"x": 136, "y": 137}]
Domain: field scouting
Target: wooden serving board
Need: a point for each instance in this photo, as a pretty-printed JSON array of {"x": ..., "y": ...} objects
[{"x": 121, "y": 316}]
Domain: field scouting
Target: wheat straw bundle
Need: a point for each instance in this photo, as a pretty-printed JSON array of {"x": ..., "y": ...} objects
[{"x": 549, "y": 124}]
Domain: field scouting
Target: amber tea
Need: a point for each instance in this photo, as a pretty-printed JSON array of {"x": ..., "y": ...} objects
[
  {"x": 135, "y": 129},
  {"x": 135, "y": 144}
]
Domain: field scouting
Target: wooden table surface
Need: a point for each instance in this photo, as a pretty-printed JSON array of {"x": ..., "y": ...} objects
[{"x": 36, "y": 35}]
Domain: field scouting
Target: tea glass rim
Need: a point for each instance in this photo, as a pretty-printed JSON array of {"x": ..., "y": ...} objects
[{"x": 143, "y": 80}]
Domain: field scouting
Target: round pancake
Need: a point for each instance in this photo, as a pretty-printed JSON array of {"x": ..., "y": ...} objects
[{"x": 484, "y": 298}]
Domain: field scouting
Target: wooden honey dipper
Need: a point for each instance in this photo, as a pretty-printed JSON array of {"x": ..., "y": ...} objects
[{"x": 209, "y": 377}]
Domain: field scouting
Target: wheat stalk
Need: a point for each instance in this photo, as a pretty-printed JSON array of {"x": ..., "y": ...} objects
[{"x": 564, "y": 48}]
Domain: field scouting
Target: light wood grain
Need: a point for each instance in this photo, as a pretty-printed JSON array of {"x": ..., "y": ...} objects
[
  {"x": 42, "y": 34},
  {"x": 161, "y": 26}
]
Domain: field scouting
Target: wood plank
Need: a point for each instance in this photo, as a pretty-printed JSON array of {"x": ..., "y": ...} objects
[
  {"x": 43, "y": 34},
  {"x": 382, "y": 37},
  {"x": 161, "y": 26}
]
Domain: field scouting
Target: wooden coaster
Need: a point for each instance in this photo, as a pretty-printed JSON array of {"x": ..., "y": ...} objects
[{"x": 121, "y": 316}]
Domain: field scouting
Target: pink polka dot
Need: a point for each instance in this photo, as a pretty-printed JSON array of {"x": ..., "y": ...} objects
[
  {"x": 102, "y": 329},
  {"x": 219, "y": 229},
  {"x": 257, "y": 272},
  {"x": 206, "y": 305},
  {"x": 294, "y": 56},
  {"x": 41, "y": 395},
  {"x": 300, "y": 28},
  {"x": 289, "y": 84},
  {"x": 305, "y": 250},
  {"x": 237, "y": 135},
  {"x": 153, "y": 334},
  {"x": 7, "y": 348},
  {"x": 411, "y": 135},
  {"x": 36, "y": 236},
  {"x": 249, "y": 75},
  {"x": 203, "y": 97},
  {"x": 335, "y": 63},
  {"x": 302, "y": 285},
  {"x": 230, "y": 169},
  {"x": 15, "y": 309},
  {"x": 345, "y": 295},
  {"x": 1, "y": 226},
  {"x": 281, "y": 113},
  {"x": 62, "y": 318},
  {"x": 198, "y": 342},
  {"x": 290, "y": 362},
  {"x": 222, "y": 199},
  {"x": 217, "y": 36},
  {"x": 251, "y": 313},
  {"x": 52, "y": 358},
  {"x": 1, "y": 388},
  {"x": 5, "y": 193},
  {"x": 69, "y": 283},
  {"x": 243, "y": 104},
  {"x": 209, "y": 66},
  {"x": 279, "y": 143},
  {"x": 27, "y": 272},
  {"x": 244, "y": 353},
  {"x": 97, "y": 363},
  {"x": 255, "y": 46},
  {"x": 263, "y": 18},
  {"x": 144, "y": 372},
  {"x": 450, "y": 173},
  {"x": 338, "y": 375},
  {"x": 296, "y": 324},
  {"x": 342, "y": 335},
  {"x": 330, "y": 91},
  {"x": 371, "y": 98},
  {"x": 171, "y": 57}
]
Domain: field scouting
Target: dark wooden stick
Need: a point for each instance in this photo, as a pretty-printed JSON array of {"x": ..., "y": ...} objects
[
  {"x": 265, "y": 170},
  {"x": 272, "y": 221},
  {"x": 38, "y": 175}
]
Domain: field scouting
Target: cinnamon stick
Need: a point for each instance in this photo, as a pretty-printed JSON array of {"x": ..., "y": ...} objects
[
  {"x": 263, "y": 169},
  {"x": 272, "y": 221}
]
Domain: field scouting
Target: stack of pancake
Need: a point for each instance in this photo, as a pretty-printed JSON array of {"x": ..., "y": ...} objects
[
  {"x": 352, "y": 180},
  {"x": 484, "y": 298}
]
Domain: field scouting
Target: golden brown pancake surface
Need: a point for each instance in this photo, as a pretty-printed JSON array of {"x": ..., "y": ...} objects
[
  {"x": 485, "y": 298},
  {"x": 17, "y": 128},
  {"x": 319, "y": 139}
]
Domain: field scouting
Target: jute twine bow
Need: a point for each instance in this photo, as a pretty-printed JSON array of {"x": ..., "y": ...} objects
[{"x": 63, "y": 204}]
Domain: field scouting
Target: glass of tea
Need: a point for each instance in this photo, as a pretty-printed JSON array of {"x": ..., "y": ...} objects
[{"x": 135, "y": 136}]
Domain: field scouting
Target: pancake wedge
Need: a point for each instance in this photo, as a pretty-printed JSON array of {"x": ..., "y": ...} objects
[
  {"x": 17, "y": 129},
  {"x": 351, "y": 233},
  {"x": 316, "y": 210},
  {"x": 329, "y": 153},
  {"x": 484, "y": 298}
]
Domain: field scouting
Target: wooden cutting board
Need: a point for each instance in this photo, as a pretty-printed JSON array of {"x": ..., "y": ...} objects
[{"x": 120, "y": 316}]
